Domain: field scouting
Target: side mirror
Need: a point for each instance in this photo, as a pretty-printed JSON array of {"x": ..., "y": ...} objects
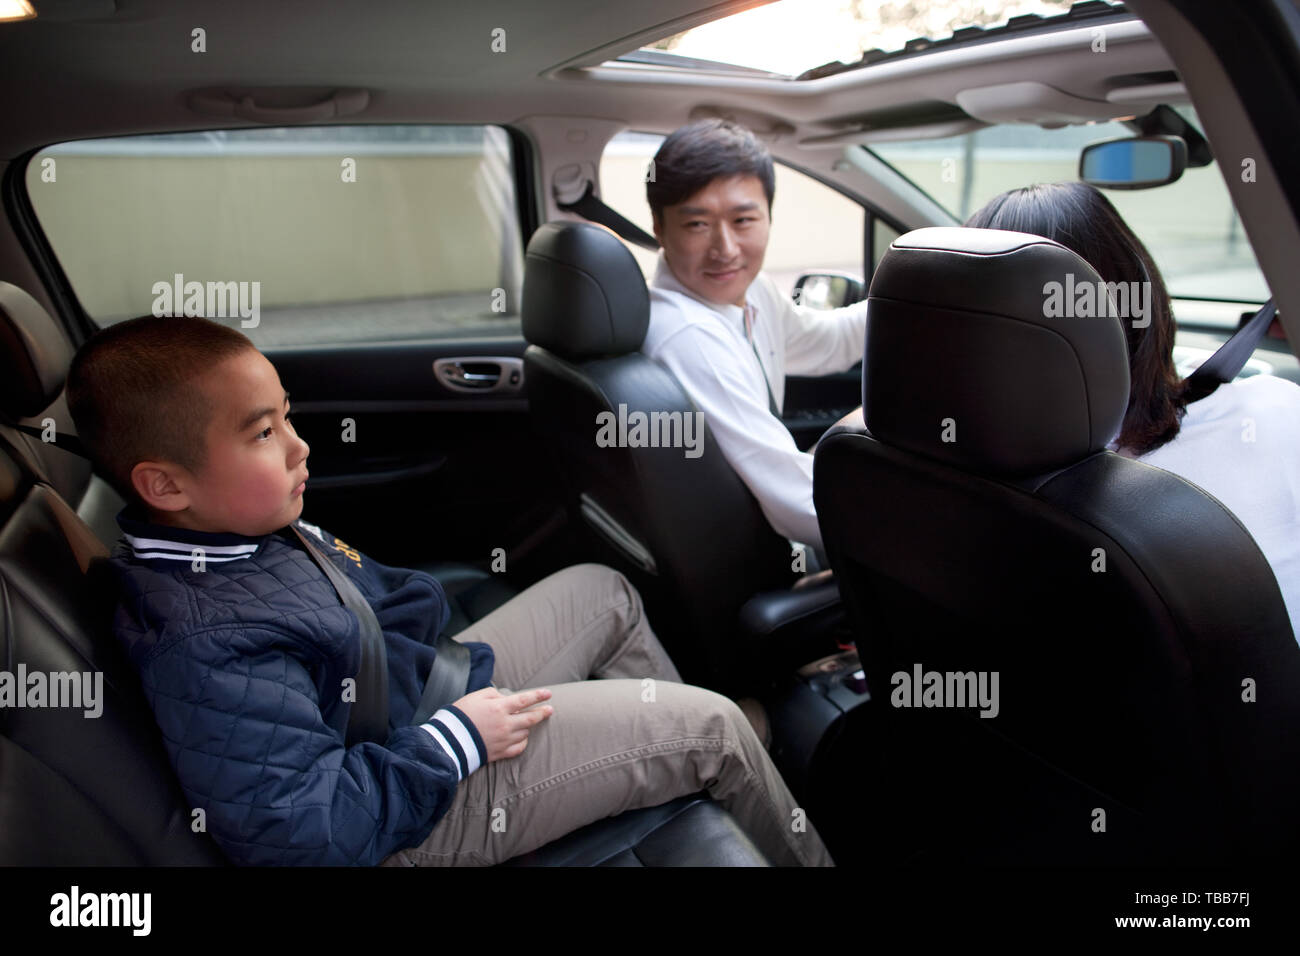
[
  {"x": 1133, "y": 163},
  {"x": 828, "y": 290}
]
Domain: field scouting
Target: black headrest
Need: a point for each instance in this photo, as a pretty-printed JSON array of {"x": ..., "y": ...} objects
[
  {"x": 34, "y": 355},
  {"x": 584, "y": 294},
  {"x": 967, "y": 359}
]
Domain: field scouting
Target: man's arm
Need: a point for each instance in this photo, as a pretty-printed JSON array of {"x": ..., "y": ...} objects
[
  {"x": 819, "y": 341},
  {"x": 759, "y": 448},
  {"x": 242, "y": 725}
]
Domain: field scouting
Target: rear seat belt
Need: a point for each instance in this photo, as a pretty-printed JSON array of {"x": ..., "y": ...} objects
[
  {"x": 1231, "y": 357},
  {"x": 368, "y": 719},
  {"x": 593, "y": 210},
  {"x": 69, "y": 443}
]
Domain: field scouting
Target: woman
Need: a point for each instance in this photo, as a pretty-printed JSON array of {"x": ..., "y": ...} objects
[{"x": 1240, "y": 441}]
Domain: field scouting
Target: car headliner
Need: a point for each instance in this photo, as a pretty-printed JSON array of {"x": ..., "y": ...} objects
[
  {"x": 87, "y": 68},
  {"x": 91, "y": 68}
]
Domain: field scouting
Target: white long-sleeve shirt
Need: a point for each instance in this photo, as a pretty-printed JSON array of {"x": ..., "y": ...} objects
[
  {"x": 703, "y": 344},
  {"x": 1241, "y": 443}
]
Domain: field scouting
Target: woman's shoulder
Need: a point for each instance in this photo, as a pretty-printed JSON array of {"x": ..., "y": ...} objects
[
  {"x": 1263, "y": 392},
  {"x": 1267, "y": 407}
]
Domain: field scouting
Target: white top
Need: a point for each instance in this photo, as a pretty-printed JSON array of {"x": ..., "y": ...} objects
[
  {"x": 1241, "y": 444},
  {"x": 703, "y": 344}
]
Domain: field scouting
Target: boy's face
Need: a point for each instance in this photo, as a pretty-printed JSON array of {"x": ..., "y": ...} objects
[
  {"x": 714, "y": 241},
  {"x": 252, "y": 480}
]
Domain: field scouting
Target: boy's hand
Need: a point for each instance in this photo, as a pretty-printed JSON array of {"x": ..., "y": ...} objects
[{"x": 504, "y": 722}]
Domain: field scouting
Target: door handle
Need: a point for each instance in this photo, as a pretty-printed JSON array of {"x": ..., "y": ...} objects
[{"x": 477, "y": 373}]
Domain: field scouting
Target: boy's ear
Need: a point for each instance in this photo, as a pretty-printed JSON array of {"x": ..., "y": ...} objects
[{"x": 157, "y": 485}]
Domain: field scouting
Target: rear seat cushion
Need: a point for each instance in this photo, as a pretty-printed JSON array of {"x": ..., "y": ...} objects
[
  {"x": 688, "y": 831},
  {"x": 472, "y": 593}
]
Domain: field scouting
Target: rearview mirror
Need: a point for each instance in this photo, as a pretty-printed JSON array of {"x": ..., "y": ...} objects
[
  {"x": 828, "y": 290},
  {"x": 1133, "y": 163}
]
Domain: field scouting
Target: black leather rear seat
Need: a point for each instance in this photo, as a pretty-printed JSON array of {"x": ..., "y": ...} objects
[
  {"x": 76, "y": 790},
  {"x": 472, "y": 592}
]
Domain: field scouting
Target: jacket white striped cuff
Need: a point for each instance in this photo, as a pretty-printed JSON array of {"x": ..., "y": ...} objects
[{"x": 461, "y": 742}]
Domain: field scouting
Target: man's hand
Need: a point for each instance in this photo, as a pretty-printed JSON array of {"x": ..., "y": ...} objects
[{"x": 504, "y": 722}]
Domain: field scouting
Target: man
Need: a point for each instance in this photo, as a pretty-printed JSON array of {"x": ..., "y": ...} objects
[{"x": 723, "y": 328}]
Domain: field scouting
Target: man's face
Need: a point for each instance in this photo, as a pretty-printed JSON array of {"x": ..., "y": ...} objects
[
  {"x": 714, "y": 241},
  {"x": 252, "y": 480}
]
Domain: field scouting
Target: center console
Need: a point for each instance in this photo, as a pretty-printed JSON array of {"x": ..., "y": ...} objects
[{"x": 809, "y": 712}]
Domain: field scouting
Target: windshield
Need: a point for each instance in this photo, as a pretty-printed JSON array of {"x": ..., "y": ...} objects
[{"x": 1190, "y": 227}]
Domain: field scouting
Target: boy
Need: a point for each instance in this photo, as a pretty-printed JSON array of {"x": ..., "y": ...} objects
[{"x": 246, "y": 653}]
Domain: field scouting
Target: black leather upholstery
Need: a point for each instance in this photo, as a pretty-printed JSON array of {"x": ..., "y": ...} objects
[
  {"x": 709, "y": 545},
  {"x": 472, "y": 592},
  {"x": 792, "y": 623},
  {"x": 76, "y": 790},
  {"x": 688, "y": 831},
  {"x": 34, "y": 354},
  {"x": 1121, "y": 606},
  {"x": 34, "y": 359},
  {"x": 766, "y": 613},
  {"x": 585, "y": 296},
  {"x": 1026, "y": 392}
]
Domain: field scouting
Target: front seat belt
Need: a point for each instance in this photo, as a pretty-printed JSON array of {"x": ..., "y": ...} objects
[
  {"x": 589, "y": 207},
  {"x": 1226, "y": 363}
]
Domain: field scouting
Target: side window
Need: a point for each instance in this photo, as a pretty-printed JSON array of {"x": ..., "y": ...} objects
[
  {"x": 624, "y": 166},
  {"x": 882, "y": 234},
  {"x": 295, "y": 236},
  {"x": 814, "y": 227}
]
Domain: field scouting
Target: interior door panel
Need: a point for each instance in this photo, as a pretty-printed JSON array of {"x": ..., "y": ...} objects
[{"x": 446, "y": 473}]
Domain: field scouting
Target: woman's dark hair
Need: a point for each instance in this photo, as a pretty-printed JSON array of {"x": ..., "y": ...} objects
[
  {"x": 1080, "y": 218},
  {"x": 695, "y": 155}
]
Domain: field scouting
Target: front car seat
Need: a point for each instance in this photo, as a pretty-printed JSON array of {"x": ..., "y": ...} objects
[
  {"x": 1147, "y": 667},
  {"x": 685, "y": 530}
]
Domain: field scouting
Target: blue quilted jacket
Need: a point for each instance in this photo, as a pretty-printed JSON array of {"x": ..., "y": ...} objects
[{"x": 243, "y": 648}]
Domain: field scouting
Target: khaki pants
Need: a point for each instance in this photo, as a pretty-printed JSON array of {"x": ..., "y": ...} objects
[{"x": 635, "y": 738}]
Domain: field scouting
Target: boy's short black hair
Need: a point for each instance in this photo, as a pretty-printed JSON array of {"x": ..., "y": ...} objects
[
  {"x": 133, "y": 393},
  {"x": 695, "y": 155}
]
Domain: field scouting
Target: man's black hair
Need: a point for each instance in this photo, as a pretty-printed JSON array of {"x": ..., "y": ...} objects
[{"x": 695, "y": 155}]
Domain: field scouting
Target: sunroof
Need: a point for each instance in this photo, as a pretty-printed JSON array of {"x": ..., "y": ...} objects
[{"x": 791, "y": 37}]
